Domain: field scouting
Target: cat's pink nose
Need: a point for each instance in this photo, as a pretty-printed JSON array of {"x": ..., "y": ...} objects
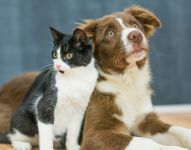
[{"x": 58, "y": 66}]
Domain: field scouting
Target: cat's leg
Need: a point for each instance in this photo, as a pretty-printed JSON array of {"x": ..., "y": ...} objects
[
  {"x": 45, "y": 136},
  {"x": 22, "y": 142},
  {"x": 151, "y": 127},
  {"x": 45, "y": 116},
  {"x": 73, "y": 132},
  {"x": 23, "y": 132}
]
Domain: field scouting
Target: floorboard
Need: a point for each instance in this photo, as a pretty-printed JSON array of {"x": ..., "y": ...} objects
[{"x": 183, "y": 120}]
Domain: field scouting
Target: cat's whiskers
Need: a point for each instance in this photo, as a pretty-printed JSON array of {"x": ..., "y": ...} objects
[
  {"x": 47, "y": 66},
  {"x": 49, "y": 42},
  {"x": 52, "y": 78},
  {"x": 50, "y": 69}
]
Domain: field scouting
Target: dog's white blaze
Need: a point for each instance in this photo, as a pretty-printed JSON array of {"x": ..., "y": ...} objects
[
  {"x": 146, "y": 144},
  {"x": 125, "y": 34},
  {"x": 58, "y": 61}
]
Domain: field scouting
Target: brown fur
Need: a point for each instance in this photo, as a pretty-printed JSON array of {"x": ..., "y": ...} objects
[
  {"x": 11, "y": 95},
  {"x": 146, "y": 18},
  {"x": 109, "y": 50},
  {"x": 102, "y": 130},
  {"x": 101, "y": 78},
  {"x": 151, "y": 124}
]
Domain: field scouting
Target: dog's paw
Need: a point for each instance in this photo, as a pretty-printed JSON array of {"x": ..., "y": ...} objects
[
  {"x": 19, "y": 145},
  {"x": 73, "y": 147},
  {"x": 183, "y": 134},
  {"x": 173, "y": 148}
]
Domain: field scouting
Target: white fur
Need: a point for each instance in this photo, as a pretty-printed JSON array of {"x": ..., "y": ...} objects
[
  {"x": 45, "y": 136},
  {"x": 34, "y": 107},
  {"x": 21, "y": 145},
  {"x": 58, "y": 61},
  {"x": 74, "y": 87},
  {"x": 17, "y": 139},
  {"x": 74, "y": 91},
  {"x": 134, "y": 100},
  {"x": 128, "y": 44},
  {"x": 146, "y": 144},
  {"x": 132, "y": 96},
  {"x": 177, "y": 136}
]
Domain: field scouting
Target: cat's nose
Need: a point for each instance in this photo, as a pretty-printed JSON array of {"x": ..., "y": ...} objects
[{"x": 58, "y": 66}]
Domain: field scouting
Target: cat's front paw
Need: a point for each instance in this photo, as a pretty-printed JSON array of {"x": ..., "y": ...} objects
[
  {"x": 20, "y": 145},
  {"x": 73, "y": 147}
]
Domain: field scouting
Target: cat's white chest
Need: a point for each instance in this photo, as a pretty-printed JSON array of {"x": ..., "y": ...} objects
[{"x": 73, "y": 96}]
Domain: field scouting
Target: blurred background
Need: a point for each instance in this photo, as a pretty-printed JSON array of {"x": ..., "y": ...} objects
[{"x": 25, "y": 38}]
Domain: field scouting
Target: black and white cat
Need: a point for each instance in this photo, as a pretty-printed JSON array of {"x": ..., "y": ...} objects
[{"x": 54, "y": 106}]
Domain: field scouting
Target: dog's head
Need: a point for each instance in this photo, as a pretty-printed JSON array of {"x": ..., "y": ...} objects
[{"x": 120, "y": 39}]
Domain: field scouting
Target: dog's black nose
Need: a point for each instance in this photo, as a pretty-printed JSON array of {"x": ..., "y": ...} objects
[{"x": 135, "y": 36}]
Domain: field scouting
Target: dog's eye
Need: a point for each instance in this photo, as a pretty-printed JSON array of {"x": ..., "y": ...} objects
[
  {"x": 134, "y": 25},
  {"x": 69, "y": 56},
  {"x": 110, "y": 33},
  {"x": 55, "y": 55}
]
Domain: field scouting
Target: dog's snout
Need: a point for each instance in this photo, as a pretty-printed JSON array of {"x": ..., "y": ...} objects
[{"x": 135, "y": 36}]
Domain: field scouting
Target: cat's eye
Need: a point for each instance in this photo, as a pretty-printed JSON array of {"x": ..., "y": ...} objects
[
  {"x": 110, "y": 33},
  {"x": 69, "y": 56},
  {"x": 134, "y": 25},
  {"x": 55, "y": 55}
]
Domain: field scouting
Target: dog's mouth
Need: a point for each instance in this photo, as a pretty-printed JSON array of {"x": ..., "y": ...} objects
[{"x": 137, "y": 50}]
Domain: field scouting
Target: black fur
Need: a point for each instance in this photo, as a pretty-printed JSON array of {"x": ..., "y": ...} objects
[
  {"x": 43, "y": 88},
  {"x": 4, "y": 139},
  {"x": 69, "y": 44}
]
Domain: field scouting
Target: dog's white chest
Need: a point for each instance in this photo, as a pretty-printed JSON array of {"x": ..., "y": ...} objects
[
  {"x": 133, "y": 106},
  {"x": 131, "y": 94}
]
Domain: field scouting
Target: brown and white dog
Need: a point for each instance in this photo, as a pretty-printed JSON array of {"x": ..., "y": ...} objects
[
  {"x": 120, "y": 115},
  {"x": 120, "y": 105}
]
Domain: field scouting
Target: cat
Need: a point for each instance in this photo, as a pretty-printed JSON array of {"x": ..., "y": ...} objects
[{"x": 52, "y": 111}]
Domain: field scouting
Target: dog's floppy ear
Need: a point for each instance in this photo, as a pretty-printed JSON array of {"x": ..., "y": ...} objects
[
  {"x": 89, "y": 27},
  {"x": 145, "y": 17}
]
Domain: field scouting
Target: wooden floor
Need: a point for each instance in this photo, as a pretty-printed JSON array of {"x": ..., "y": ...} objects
[{"x": 183, "y": 120}]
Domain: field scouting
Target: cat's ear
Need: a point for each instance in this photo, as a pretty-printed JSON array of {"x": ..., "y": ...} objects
[
  {"x": 89, "y": 26},
  {"x": 57, "y": 36},
  {"x": 80, "y": 38}
]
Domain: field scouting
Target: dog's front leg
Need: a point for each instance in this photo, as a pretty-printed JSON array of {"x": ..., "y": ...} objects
[
  {"x": 109, "y": 140},
  {"x": 151, "y": 127}
]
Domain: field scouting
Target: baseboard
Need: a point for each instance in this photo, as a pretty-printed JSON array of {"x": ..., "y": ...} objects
[{"x": 173, "y": 109}]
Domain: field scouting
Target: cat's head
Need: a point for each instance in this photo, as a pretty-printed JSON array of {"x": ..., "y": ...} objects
[{"x": 71, "y": 51}]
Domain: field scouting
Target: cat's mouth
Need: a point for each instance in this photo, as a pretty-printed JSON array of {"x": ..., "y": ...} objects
[{"x": 61, "y": 71}]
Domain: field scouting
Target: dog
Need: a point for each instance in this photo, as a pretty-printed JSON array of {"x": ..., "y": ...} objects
[{"x": 120, "y": 114}]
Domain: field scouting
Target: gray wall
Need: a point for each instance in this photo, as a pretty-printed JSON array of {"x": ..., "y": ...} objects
[{"x": 24, "y": 28}]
